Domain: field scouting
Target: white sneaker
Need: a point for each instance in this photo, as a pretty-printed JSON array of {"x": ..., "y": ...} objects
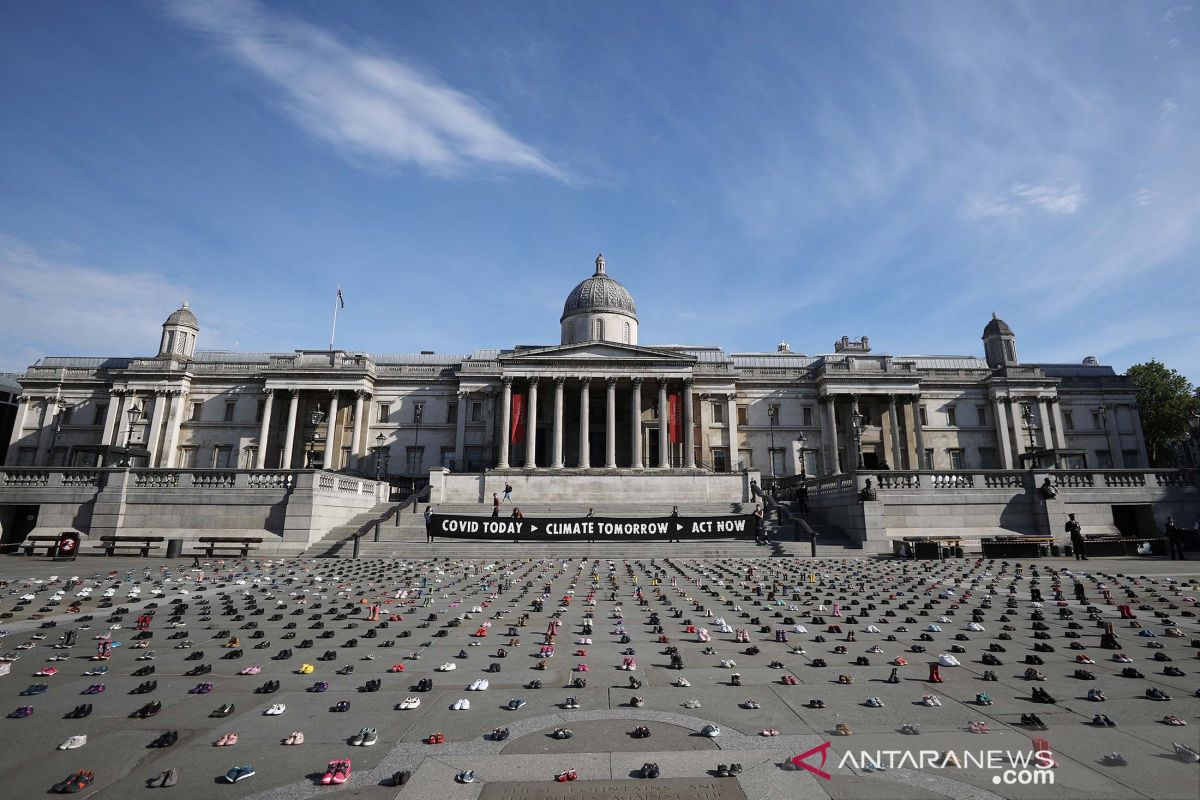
[
  {"x": 947, "y": 660},
  {"x": 447, "y": 667},
  {"x": 483, "y": 685},
  {"x": 474, "y": 687},
  {"x": 466, "y": 705},
  {"x": 73, "y": 743}
]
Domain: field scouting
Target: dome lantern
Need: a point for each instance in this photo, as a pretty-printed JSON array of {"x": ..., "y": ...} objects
[
  {"x": 599, "y": 308},
  {"x": 179, "y": 334}
]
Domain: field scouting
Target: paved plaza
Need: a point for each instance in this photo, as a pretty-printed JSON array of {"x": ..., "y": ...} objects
[{"x": 804, "y": 624}]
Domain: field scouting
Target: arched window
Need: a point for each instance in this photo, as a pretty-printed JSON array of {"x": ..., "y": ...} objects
[
  {"x": 571, "y": 332},
  {"x": 1008, "y": 351},
  {"x": 599, "y": 329},
  {"x": 627, "y": 333},
  {"x": 169, "y": 343}
]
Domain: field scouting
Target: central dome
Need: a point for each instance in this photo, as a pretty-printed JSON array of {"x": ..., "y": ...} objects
[{"x": 599, "y": 293}]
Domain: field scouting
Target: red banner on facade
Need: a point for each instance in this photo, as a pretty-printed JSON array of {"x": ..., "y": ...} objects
[
  {"x": 674, "y": 424},
  {"x": 518, "y": 418}
]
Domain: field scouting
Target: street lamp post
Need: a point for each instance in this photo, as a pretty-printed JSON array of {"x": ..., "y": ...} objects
[
  {"x": 800, "y": 440},
  {"x": 772, "y": 411},
  {"x": 379, "y": 448},
  {"x": 133, "y": 412},
  {"x": 1102, "y": 410},
  {"x": 418, "y": 410},
  {"x": 1030, "y": 424},
  {"x": 316, "y": 418},
  {"x": 856, "y": 422}
]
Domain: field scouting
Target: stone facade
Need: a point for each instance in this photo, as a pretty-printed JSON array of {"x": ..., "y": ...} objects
[{"x": 600, "y": 402}]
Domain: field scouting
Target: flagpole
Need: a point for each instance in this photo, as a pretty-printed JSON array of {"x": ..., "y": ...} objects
[{"x": 333, "y": 330}]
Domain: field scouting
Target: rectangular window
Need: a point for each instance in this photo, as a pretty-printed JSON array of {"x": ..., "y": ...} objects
[
  {"x": 1103, "y": 459},
  {"x": 101, "y": 413},
  {"x": 58, "y": 457},
  {"x": 476, "y": 412},
  {"x": 145, "y": 412},
  {"x": 718, "y": 412},
  {"x": 956, "y": 459},
  {"x": 987, "y": 458},
  {"x": 777, "y": 467},
  {"x": 720, "y": 460},
  {"x": 418, "y": 411},
  {"x": 448, "y": 458},
  {"x": 385, "y": 411},
  {"x": 1068, "y": 420},
  {"x": 262, "y": 408},
  {"x": 413, "y": 458},
  {"x": 981, "y": 415},
  {"x": 1096, "y": 423},
  {"x": 1130, "y": 457},
  {"x": 221, "y": 457},
  {"x": 25, "y": 456},
  {"x": 773, "y": 415},
  {"x": 249, "y": 456},
  {"x": 196, "y": 409},
  {"x": 808, "y": 416},
  {"x": 951, "y": 416},
  {"x": 230, "y": 407},
  {"x": 64, "y": 416},
  {"x": 186, "y": 458},
  {"x": 451, "y": 413},
  {"x": 745, "y": 460},
  {"x": 924, "y": 416},
  {"x": 928, "y": 458},
  {"x": 741, "y": 415}
]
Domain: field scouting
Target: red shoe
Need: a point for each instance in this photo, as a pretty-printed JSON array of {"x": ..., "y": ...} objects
[
  {"x": 342, "y": 772},
  {"x": 327, "y": 778},
  {"x": 396, "y": 668},
  {"x": 935, "y": 674}
]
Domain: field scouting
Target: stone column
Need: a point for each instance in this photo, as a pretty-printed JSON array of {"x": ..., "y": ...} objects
[
  {"x": 156, "y": 421},
  {"x": 1114, "y": 438},
  {"x": 46, "y": 434},
  {"x": 111, "y": 415},
  {"x": 331, "y": 428},
  {"x": 1060, "y": 431},
  {"x": 264, "y": 428},
  {"x": 894, "y": 423},
  {"x": 557, "y": 457},
  {"x": 505, "y": 421},
  {"x": 1044, "y": 413},
  {"x": 460, "y": 431},
  {"x": 689, "y": 435},
  {"x": 175, "y": 417},
  {"x": 919, "y": 431},
  {"x": 585, "y": 406},
  {"x": 664, "y": 441},
  {"x": 636, "y": 424},
  {"x": 731, "y": 413},
  {"x": 610, "y": 423},
  {"x": 1143, "y": 457},
  {"x": 829, "y": 436},
  {"x": 1000, "y": 408},
  {"x": 531, "y": 426},
  {"x": 1013, "y": 426},
  {"x": 290, "y": 438},
  {"x": 357, "y": 457},
  {"x": 10, "y": 457}
]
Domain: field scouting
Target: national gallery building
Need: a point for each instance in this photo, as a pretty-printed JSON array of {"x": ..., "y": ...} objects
[{"x": 598, "y": 400}]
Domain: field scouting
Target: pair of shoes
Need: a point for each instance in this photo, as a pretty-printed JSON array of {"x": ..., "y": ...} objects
[
  {"x": 275, "y": 710},
  {"x": 364, "y": 738},
  {"x": 294, "y": 738},
  {"x": 816, "y": 702},
  {"x": 640, "y": 732},
  {"x": 874, "y": 702},
  {"x": 409, "y": 703},
  {"x": 341, "y": 705},
  {"x": 401, "y": 777},
  {"x": 73, "y": 742},
  {"x": 910, "y": 729},
  {"x": 165, "y": 779},
  {"x": 166, "y": 739},
  {"x": 1033, "y": 721},
  {"x": 562, "y": 733},
  {"x": 466, "y": 776},
  {"x": 650, "y": 770},
  {"x": 336, "y": 773},
  {"x": 226, "y": 740},
  {"x": 516, "y": 704},
  {"x": 499, "y": 734},
  {"x": 567, "y": 775},
  {"x": 977, "y": 727},
  {"x": 711, "y": 731},
  {"x": 768, "y": 732},
  {"x": 75, "y": 783},
  {"x": 436, "y": 738},
  {"x": 223, "y": 711},
  {"x": 1103, "y": 721}
]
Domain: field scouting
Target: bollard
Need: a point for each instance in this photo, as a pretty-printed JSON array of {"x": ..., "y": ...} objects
[
  {"x": 377, "y": 526},
  {"x": 355, "y": 553}
]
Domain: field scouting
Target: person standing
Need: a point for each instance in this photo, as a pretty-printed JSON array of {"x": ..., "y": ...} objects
[
  {"x": 1174, "y": 539},
  {"x": 674, "y": 517},
  {"x": 802, "y": 499},
  {"x": 495, "y": 505},
  {"x": 507, "y": 492},
  {"x": 760, "y": 526},
  {"x": 1076, "y": 534},
  {"x": 429, "y": 523}
]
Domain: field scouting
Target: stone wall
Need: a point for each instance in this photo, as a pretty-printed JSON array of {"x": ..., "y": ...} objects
[
  {"x": 545, "y": 486},
  {"x": 289, "y": 509}
]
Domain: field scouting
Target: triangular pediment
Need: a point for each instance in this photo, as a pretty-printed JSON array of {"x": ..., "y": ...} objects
[{"x": 597, "y": 351}]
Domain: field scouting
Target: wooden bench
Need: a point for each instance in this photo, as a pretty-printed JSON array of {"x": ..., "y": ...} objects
[
  {"x": 927, "y": 547},
  {"x": 142, "y": 544},
  {"x": 48, "y": 541},
  {"x": 1017, "y": 546},
  {"x": 242, "y": 544}
]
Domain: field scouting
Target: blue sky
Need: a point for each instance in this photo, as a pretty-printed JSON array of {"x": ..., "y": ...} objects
[{"x": 752, "y": 172}]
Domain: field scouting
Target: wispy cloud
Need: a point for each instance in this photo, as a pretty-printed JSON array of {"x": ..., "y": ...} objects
[
  {"x": 55, "y": 307},
  {"x": 1022, "y": 196},
  {"x": 1142, "y": 197},
  {"x": 371, "y": 108},
  {"x": 1169, "y": 105}
]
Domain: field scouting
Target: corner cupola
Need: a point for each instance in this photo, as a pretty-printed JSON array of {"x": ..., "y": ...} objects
[{"x": 179, "y": 334}]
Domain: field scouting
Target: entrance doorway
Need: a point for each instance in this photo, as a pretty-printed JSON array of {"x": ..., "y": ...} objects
[
  {"x": 870, "y": 460},
  {"x": 1135, "y": 520},
  {"x": 16, "y": 522}
]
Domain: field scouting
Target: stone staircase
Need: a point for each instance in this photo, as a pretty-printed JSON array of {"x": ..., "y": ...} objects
[{"x": 404, "y": 537}]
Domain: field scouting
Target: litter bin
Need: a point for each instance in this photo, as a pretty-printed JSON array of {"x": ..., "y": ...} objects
[{"x": 174, "y": 548}]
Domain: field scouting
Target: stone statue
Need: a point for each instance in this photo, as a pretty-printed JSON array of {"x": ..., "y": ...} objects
[
  {"x": 867, "y": 493},
  {"x": 1049, "y": 490}
]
